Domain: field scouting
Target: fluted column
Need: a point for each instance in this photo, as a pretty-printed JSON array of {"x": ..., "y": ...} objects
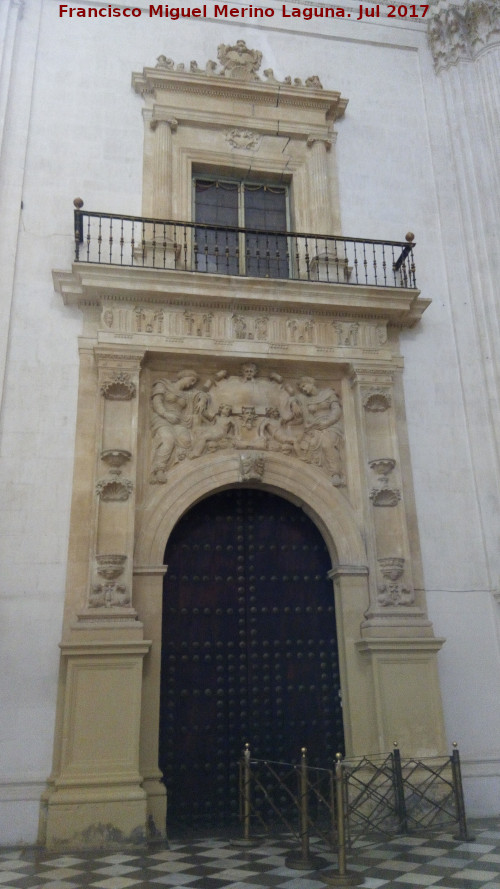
[
  {"x": 162, "y": 167},
  {"x": 464, "y": 39}
]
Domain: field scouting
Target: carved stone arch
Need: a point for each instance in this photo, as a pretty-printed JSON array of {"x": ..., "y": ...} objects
[{"x": 323, "y": 503}]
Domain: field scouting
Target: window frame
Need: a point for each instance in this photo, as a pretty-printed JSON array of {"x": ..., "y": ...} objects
[{"x": 241, "y": 183}]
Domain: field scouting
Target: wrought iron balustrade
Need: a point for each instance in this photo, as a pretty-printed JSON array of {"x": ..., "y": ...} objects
[{"x": 140, "y": 242}]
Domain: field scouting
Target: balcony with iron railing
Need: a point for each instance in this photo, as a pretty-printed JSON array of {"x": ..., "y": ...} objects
[{"x": 208, "y": 249}]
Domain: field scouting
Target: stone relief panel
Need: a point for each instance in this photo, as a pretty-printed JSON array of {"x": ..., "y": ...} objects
[
  {"x": 277, "y": 329},
  {"x": 248, "y": 412},
  {"x": 107, "y": 592},
  {"x": 393, "y": 591}
]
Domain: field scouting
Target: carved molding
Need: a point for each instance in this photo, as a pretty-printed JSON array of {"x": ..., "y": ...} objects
[
  {"x": 459, "y": 33},
  {"x": 119, "y": 388},
  {"x": 250, "y": 412}
]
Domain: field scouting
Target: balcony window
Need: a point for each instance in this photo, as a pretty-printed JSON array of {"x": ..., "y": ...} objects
[{"x": 262, "y": 250}]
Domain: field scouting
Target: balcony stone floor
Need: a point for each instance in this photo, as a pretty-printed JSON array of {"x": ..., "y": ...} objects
[{"x": 412, "y": 862}]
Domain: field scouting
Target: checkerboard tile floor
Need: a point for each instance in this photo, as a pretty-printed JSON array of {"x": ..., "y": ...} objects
[{"x": 414, "y": 862}]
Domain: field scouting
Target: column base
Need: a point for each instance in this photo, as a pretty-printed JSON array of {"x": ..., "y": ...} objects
[{"x": 107, "y": 818}]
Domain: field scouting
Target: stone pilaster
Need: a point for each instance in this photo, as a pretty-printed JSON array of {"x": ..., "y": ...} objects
[
  {"x": 110, "y": 593},
  {"x": 395, "y": 605}
]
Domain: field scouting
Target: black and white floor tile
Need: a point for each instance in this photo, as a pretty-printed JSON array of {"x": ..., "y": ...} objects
[{"x": 415, "y": 862}]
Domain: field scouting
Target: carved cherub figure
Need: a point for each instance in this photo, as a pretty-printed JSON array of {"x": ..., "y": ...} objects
[{"x": 218, "y": 435}]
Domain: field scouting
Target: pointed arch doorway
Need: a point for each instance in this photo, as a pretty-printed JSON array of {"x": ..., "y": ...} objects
[{"x": 249, "y": 649}]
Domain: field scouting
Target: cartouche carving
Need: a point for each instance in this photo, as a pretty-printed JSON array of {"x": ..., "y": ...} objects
[
  {"x": 250, "y": 412},
  {"x": 393, "y": 592},
  {"x": 245, "y": 139},
  {"x": 119, "y": 388},
  {"x": 236, "y": 62}
]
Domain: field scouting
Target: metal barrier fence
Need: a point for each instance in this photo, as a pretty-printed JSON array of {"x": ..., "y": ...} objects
[
  {"x": 143, "y": 242},
  {"x": 380, "y": 796}
]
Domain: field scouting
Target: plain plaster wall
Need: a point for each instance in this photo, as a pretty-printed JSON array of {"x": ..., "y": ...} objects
[{"x": 85, "y": 138}]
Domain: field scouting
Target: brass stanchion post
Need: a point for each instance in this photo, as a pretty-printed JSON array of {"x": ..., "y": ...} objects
[
  {"x": 342, "y": 877},
  {"x": 245, "y": 799},
  {"x": 304, "y": 860}
]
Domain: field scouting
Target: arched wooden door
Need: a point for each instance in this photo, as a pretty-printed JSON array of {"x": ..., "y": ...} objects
[{"x": 249, "y": 649}]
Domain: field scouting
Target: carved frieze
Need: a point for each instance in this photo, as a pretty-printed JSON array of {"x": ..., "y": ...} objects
[
  {"x": 280, "y": 329},
  {"x": 458, "y": 33},
  {"x": 250, "y": 412}
]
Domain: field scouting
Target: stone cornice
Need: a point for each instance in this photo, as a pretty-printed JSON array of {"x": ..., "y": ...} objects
[
  {"x": 91, "y": 285},
  {"x": 462, "y": 33},
  {"x": 234, "y": 78},
  {"x": 154, "y": 81}
]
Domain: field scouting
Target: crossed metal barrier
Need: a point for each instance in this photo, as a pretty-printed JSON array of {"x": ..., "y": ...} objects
[{"x": 381, "y": 795}]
